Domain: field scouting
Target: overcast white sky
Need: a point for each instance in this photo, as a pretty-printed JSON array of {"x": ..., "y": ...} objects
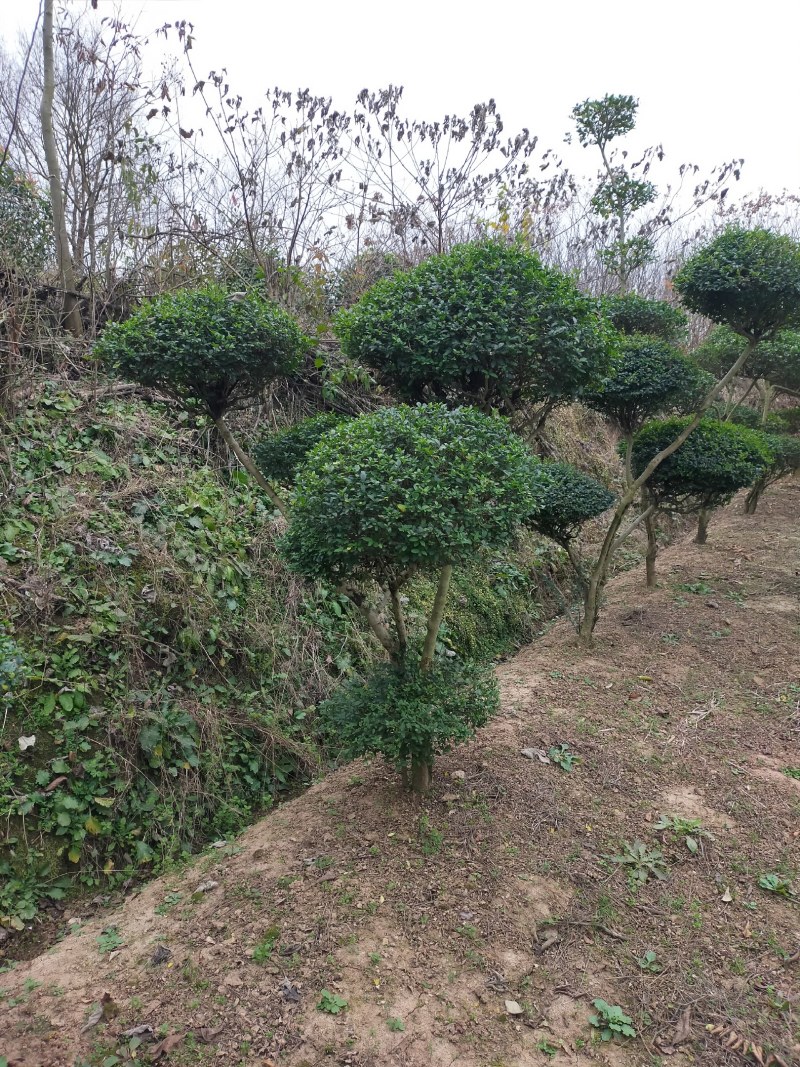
[{"x": 716, "y": 79}]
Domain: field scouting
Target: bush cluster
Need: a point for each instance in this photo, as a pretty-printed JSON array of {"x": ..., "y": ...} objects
[
  {"x": 569, "y": 499},
  {"x": 206, "y": 345},
  {"x": 279, "y": 455},
  {"x": 409, "y": 716},
  {"x": 408, "y": 488},
  {"x": 716, "y": 461},
  {"x": 486, "y": 325}
]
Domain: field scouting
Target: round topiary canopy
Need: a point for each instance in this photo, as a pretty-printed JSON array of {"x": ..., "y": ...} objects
[
  {"x": 485, "y": 324},
  {"x": 716, "y": 461},
  {"x": 408, "y": 488}
]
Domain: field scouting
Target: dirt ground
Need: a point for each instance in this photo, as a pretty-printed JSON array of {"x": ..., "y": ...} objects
[{"x": 475, "y": 928}]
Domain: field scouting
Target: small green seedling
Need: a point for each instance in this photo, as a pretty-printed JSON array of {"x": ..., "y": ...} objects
[
  {"x": 611, "y": 1021},
  {"x": 773, "y": 883},
  {"x": 331, "y": 1003},
  {"x": 109, "y": 940},
  {"x": 691, "y": 830},
  {"x": 263, "y": 950},
  {"x": 642, "y": 863},
  {"x": 562, "y": 757},
  {"x": 396, "y": 1025},
  {"x": 792, "y": 772},
  {"x": 650, "y": 962},
  {"x": 698, "y": 588},
  {"x": 547, "y": 1047},
  {"x": 170, "y": 901}
]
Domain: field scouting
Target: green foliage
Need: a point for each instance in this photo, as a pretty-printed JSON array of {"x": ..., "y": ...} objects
[
  {"x": 407, "y": 715},
  {"x": 600, "y": 121},
  {"x": 650, "y": 962},
  {"x": 642, "y": 863},
  {"x": 165, "y": 678},
  {"x": 262, "y": 952},
  {"x": 742, "y": 415},
  {"x": 12, "y": 667},
  {"x": 777, "y": 360},
  {"x": 748, "y": 280},
  {"x": 331, "y": 1003},
  {"x": 563, "y": 757},
  {"x": 691, "y": 830},
  {"x": 651, "y": 378},
  {"x": 774, "y": 883},
  {"x": 569, "y": 499},
  {"x": 485, "y": 325},
  {"x": 407, "y": 489},
  {"x": 22, "y": 892},
  {"x": 611, "y": 1021},
  {"x": 619, "y": 195},
  {"x": 206, "y": 346},
  {"x": 496, "y": 598},
  {"x": 109, "y": 940},
  {"x": 716, "y": 460},
  {"x": 25, "y": 223},
  {"x": 280, "y": 454},
  {"x": 634, "y": 314}
]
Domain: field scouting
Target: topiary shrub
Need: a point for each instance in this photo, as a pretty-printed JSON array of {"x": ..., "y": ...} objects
[
  {"x": 776, "y": 362},
  {"x": 634, "y": 314},
  {"x": 785, "y": 462},
  {"x": 650, "y": 377},
  {"x": 207, "y": 348},
  {"x": 716, "y": 461},
  {"x": 748, "y": 280},
  {"x": 569, "y": 499},
  {"x": 410, "y": 716},
  {"x": 408, "y": 488},
  {"x": 280, "y": 454},
  {"x": 402, "y": 491},
  {"x": 485, "y": 325}
]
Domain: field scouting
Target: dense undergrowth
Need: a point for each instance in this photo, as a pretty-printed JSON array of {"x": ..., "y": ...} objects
[{"x": 168, "y": 666}]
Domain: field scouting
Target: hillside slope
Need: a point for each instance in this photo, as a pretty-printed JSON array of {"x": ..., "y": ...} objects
[{"x": 502, "y": 886}]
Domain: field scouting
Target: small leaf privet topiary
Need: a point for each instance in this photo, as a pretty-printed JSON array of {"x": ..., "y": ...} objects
[
  {"x": 279, "y": 455},
  {"x": 486, "y": 325},
  {"x": 401, "y": 491},
  {"x": 785, "y": 450},
  {"x": 569, "y": 499},
  {"x": 749, "y": 281},
  {"x": 634, "y": 314},
  {"x": 209, "y": 349},
  {"x": 650, "y": 378},
  {"x": 715, "y": 462},
  {"x": 773, "y": 368}
]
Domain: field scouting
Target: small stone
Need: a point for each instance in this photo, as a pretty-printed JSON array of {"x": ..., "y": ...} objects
[
  {"x": 712, "y": 604},
  {"x": 459, "y": 776},
  {"x": 513, "y": 1008},
  {"x": 232, "y": 979},
  {"x": 206, "y": 887}
]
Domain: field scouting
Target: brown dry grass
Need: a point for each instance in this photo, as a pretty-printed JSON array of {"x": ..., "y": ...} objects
[{"x": 498, "y": 887}]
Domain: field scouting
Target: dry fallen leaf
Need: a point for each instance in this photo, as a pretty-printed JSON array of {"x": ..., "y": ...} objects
[
  {"x": 104, "y": 1009},
  {"x": 166, "y": 1046}
]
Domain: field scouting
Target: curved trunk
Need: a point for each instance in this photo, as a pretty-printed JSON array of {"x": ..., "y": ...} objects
[
  {"x": 753, "y": 497},
  {"x": 248, "y": 464},
  {"x": 435, "y": 617}
]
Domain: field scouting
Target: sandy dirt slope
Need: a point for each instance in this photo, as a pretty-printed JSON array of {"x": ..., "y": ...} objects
[{"x": 502, "y": 886}]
